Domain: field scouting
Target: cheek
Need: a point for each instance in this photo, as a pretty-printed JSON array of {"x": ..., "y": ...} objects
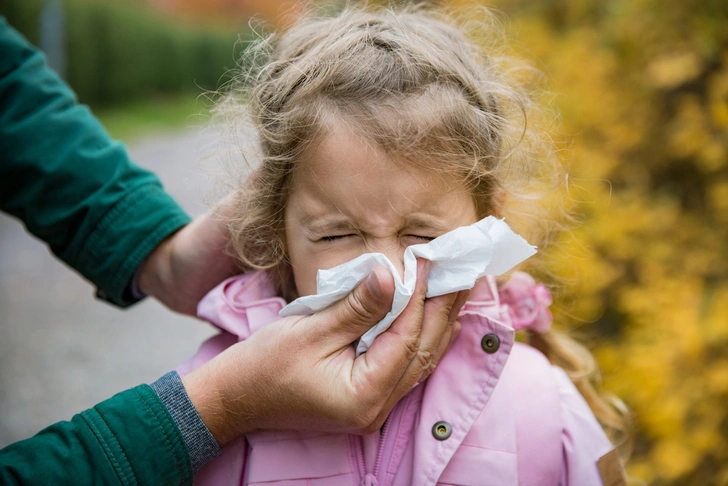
[
  {"x": 307, "y": 257},
  {"x": 304, "y": 275}
]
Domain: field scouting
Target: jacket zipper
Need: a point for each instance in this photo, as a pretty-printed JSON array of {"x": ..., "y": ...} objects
[
  {"x": 372, "y": 479},
  {"x": 366, "y": 478},
  {"x": 359, "y": 450},
  {"x": 380, "y": 447}
]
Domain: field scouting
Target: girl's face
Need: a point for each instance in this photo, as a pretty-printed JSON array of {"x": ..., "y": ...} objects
[{"x": 349, "y": 198}]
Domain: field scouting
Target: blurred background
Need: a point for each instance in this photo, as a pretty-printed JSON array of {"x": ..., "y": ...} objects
[{"x": 642, "y": 89}]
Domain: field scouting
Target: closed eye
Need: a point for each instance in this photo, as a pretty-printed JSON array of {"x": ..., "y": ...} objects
[
  {"x": 423, "y": 238},
  {"x": 335, "y": 237}
]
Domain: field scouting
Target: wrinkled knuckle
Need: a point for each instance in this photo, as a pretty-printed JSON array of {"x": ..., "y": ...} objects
[
  {"x": 411, "y": 347},
  {"x": 424, "y": 360},
  {"x": 428, "y": 370},
  {"x": 446, "y": 309}
]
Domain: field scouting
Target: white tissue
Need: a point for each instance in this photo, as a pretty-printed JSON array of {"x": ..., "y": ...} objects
[{"x": 459, "y": 258}]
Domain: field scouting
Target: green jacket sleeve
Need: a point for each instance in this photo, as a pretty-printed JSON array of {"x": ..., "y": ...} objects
[
  {"x": 70, "y": 184},
  {"x": 129, "y": 439}
]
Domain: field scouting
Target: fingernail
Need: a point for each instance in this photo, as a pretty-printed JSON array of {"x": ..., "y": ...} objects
[{"x": 375, "y": 288}]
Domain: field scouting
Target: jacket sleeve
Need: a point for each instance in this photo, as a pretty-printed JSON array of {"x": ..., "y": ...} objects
[
  {"x": 72, "y": 186},
  {"x": 129, "y": 439},
  {"x": 585, "y": 445}
]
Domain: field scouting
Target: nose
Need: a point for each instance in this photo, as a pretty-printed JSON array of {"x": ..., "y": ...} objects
[{"x": 393, "y": 251}]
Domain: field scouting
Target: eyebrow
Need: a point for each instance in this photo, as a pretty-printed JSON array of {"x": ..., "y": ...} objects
[
  {"x": 425, "y": 222},
  {"x": 327, "y": 223}
]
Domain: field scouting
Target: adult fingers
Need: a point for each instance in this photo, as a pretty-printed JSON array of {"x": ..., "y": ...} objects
[
  {"x": 460, "y": 301},
  {"x": 380, "y": 369},
  {"x": 401, "y": 342},
  {"x": 436, "y": 328},
  {"x": 409, "y": 342},
  {"x": 346, "y": 321}
]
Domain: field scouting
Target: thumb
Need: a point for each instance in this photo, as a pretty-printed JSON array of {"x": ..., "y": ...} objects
[{"x": 346, "y": 321}]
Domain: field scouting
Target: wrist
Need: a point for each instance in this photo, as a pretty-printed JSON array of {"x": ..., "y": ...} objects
[
  {"x": 153, "y": 271},
  {"x": 220, "y": 397}
]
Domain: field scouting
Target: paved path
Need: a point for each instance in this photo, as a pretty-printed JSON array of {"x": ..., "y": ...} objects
[{"x": 62, "y": 351}]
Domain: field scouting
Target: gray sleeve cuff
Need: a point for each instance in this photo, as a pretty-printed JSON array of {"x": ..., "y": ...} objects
[{"x": 200, "y": 443}]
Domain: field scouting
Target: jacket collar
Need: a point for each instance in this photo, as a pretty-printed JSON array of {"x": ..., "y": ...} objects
[{"x": 242, "y": 304}]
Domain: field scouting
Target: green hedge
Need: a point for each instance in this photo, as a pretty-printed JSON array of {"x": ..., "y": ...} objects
[{"x": 119, "y": 50}]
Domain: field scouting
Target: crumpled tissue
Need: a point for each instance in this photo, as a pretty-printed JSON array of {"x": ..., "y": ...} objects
[{"x": 459, "y": 258}]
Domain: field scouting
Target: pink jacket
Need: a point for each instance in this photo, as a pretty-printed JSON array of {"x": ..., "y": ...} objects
[{"x": 493, "y": 412}]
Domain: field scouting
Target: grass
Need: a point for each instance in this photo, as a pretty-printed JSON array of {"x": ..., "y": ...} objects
[{"x": 138, "y": 118}]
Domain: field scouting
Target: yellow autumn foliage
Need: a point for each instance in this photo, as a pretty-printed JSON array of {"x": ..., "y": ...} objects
[{"x": 642, "y": 90}]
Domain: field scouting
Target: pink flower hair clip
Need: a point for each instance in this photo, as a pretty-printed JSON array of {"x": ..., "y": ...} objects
[{"x": 527, "y": 303}]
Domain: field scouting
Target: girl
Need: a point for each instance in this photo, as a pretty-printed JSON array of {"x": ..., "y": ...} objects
[{"x": 380, "y": 130}]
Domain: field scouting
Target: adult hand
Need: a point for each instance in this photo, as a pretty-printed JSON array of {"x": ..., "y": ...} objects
[
  {"x": 188, "y": 264},
  {"x": 301, "y": 372}
]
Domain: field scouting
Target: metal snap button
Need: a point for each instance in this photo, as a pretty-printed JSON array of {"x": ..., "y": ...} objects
[
  {"x": 490, "y": 343},
  {"x": 441, "y": 430}
]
